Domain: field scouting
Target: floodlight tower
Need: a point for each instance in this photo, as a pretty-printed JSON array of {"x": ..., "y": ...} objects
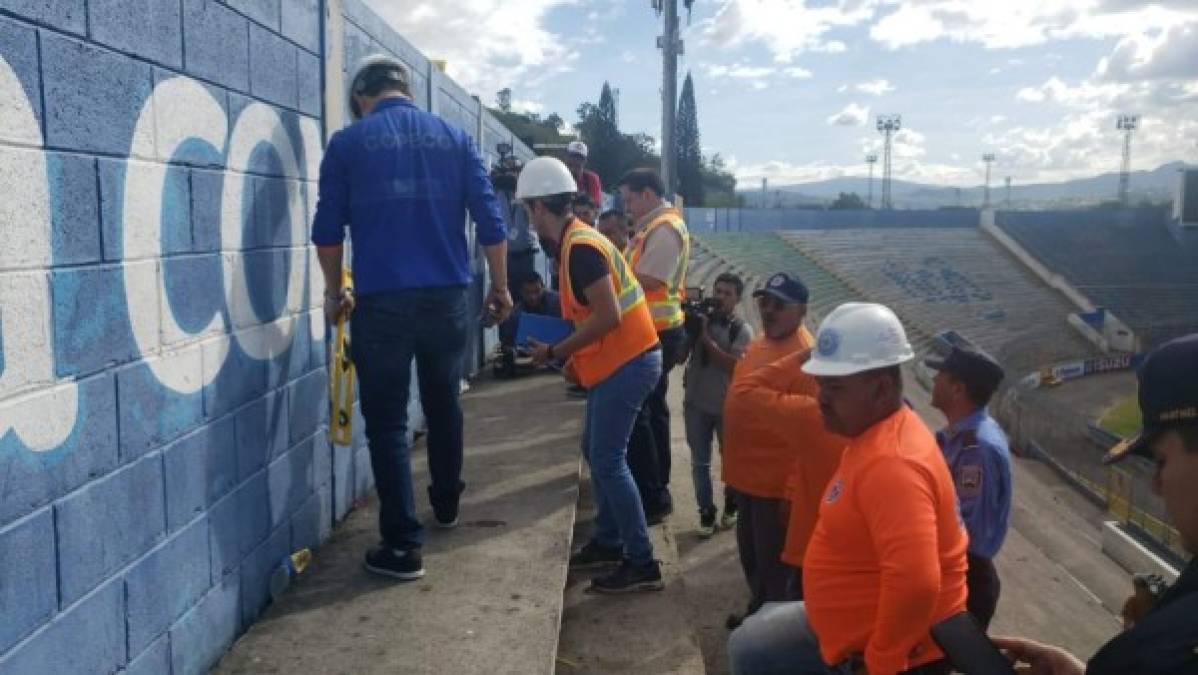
[
  {"x": 888, "y": 125},
  {"x": 871, "y": 159},
  {"x": 1008, "y": 193},
  {"x": 988, "y": 158},
  {"x": 1127, "y": 124}
]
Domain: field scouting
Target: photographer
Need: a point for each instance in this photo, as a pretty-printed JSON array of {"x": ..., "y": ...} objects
[
  {"x": 717, "y": 339},
  {"x": 522, "y": 243}
]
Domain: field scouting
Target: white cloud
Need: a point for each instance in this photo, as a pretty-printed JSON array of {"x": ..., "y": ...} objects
[
  {"x": 491, "y": 58},
  {"x": 798, "y": 73},
  {"x": 877, "y": 87},
  {"x": 1021, "y": 23},
  {"x": 526, "y": 106},
  {"x": 628, "y": 56},
  {"x": 786, "y": 27},
  {"x": 739, "y": 71},
  {"x": 1170, "y": 54},
  {"x": 842, "y": 88},
  {"x": 852, "y": 115}
]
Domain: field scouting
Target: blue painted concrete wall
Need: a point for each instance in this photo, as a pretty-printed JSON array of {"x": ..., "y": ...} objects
[{"x": 163, "y": 390}]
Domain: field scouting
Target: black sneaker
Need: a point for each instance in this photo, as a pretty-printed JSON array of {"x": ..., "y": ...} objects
[
  {"x": 445, "y": 509},
  {"x": 707, "y": 523},
  {"x": 394, "y": 563},
  {"x": 629, "y": 578},
  {"x": 594, "y": 555},
  {"x": 657, "y": 514}
]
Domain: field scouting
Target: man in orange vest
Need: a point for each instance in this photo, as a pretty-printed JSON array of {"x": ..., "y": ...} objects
[
  {"x": 758, "y": 453},
  {"x": 659, "y": 254},
  {"x": 886, "y": 561},
  {"x": 613, "y": 353}
]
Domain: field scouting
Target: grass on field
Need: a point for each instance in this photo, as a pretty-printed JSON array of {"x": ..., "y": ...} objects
[{"x": 1123, "y": 418}]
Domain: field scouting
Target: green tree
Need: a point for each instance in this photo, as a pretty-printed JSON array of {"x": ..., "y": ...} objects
[
  {"x": 848, "y": 201},
  {"x": 688, "y": 151}
]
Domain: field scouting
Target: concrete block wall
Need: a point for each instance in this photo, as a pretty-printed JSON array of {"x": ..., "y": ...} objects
[{"x": 163, "y": 389}]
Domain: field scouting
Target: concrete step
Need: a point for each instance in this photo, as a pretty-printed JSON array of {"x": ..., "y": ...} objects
[
  {"x": 635, "y": 633},
  {"x": 491, "y": 601}
]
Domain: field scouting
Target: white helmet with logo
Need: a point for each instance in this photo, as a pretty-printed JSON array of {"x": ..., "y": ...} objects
[
  {"x": 858, "y": 336},
  {"x": 543, "y": 177},
  {"x": 373, "y": 69}
]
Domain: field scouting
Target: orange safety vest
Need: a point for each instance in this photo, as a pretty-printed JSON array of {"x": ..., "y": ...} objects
[
  {"x": 665, "y": 304},
  {"x": 635, "y": 334}
]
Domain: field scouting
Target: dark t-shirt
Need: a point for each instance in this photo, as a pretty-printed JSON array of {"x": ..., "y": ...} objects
[{"x": 587, "y": 266}]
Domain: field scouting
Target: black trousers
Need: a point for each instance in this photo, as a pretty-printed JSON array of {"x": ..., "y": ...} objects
[
  {"x": 649, "y": 447},
  {"x": 760, "y": 538},
  {"x": 984, "y": 586}
]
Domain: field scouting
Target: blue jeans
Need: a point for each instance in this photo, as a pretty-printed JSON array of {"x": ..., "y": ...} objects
[
  {"x": 612, "y": 406},
  {"x": 701, "y": 429},
  {"x": 388, "y": 331},
  {"x": 777, "y": 639}
]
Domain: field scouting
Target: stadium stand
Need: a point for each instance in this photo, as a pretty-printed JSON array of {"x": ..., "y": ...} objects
[
  {"x": 755, "y": 257},
  {"x": 952, "y": 278},
  {"x": 1143, "y": 271}
]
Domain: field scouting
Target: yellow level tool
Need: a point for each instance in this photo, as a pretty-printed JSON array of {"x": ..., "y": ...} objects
[{"x": 341, "y": 377}]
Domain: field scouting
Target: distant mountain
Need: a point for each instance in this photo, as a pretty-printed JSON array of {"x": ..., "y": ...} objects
[{"x": 1157, "y": 186}]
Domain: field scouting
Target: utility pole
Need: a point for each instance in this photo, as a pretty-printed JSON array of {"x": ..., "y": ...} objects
[
  {"x": 671, "y": 48},
  {"x": 1008, "y": 193},
  {"x": 988, "y": 158},
  {"x": 1127, "y": 124},
  {"x": 888, "y": 125},
  {"x": 871, "y": 159},
  {"x": 765, "y": 191}
]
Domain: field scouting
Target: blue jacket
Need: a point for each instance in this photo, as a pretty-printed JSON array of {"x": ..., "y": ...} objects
[
  {"x": 977, "y": 454},
  {"x": 402, "y": 180}
]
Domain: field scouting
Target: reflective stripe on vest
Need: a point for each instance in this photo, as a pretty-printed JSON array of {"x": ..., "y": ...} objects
[
  {"x": 665, "y": 304},
  {"x": 633, "y": 336}
]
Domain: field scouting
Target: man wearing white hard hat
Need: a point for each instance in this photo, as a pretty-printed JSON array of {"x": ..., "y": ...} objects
[
  {"x": 613, "y": 353},
  {"x": 887, "y": 559},
  {"x": 401, "y": 181},
  {"x": 587, "y": 181}
]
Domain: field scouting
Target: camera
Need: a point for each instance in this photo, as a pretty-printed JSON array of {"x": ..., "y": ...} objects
[
  {"x": 695, "y": 308},
  {"x": 506, "y": 169}
]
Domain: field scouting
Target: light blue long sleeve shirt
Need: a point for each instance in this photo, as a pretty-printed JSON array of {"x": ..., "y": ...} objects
[{"x": 978, "y": 456}]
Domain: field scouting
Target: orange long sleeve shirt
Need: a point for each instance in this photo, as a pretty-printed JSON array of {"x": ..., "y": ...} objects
[
  {"x": 791, "y": 396},
  {"x": 757, "y": 449},
  {"x": 887, "y": 558}
]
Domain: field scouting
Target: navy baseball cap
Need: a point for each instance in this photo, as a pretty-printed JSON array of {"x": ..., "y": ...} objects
[
  {"x": 785, "y": 288},
  {"x": 1168, "y": 394},
  {"x": 970, "y": 365}
]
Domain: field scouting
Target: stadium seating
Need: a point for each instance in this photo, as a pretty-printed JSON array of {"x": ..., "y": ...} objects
[
  {"x": 1146, "y": 273},
  {"x": 951, "y": 278}
]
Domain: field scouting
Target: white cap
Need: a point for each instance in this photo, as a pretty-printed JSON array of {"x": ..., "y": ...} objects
[
  {"x": 577, "y": 148},
  {"x": 544, "y": 176},
  {"x": 858, "y": 336}
]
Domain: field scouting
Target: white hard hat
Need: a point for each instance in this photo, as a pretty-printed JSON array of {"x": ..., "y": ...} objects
[
  {"x": 858, "y": 336},
  {"x": 544, "y": 176},
  {"x": 577, "y": 148},
  {"x": 381, "y": 66}
]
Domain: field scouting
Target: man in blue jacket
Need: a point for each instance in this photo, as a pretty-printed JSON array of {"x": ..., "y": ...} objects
[
  {"x": 402, "y": 180},
  {"x": 975, "y": 448}
]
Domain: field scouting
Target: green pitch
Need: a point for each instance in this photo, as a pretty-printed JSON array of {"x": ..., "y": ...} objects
[{"x": 1123, "y": 418}]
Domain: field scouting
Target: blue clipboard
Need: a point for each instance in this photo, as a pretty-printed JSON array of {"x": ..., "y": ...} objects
[{"x": 547, "y": 329}]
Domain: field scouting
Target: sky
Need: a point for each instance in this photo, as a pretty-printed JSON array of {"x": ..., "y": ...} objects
[{"x": 790, "y": 89}]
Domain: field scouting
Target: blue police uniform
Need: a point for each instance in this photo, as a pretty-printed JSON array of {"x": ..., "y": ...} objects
[{"x": 976, "y": 451}]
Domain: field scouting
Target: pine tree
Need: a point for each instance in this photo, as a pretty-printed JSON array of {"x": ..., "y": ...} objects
[{"x": 689, "y": 153}]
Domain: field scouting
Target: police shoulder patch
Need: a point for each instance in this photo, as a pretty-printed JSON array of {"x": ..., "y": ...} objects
[{"x": 969, "y": 481}]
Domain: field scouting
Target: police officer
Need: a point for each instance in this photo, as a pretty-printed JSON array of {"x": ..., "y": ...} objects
[
  {"x": 975, "y": 448},
  {"x": 1165, "y": 641}
]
